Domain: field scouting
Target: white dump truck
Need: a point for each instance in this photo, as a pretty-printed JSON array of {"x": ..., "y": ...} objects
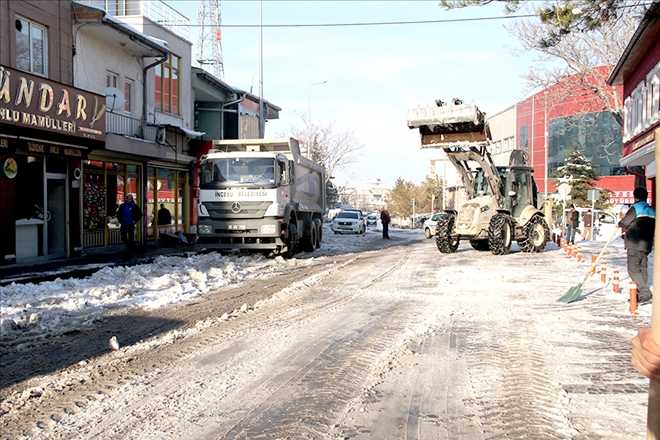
[{"x": 260, "y": 195}]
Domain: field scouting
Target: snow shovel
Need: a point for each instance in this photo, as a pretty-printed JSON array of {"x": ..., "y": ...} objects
[{"x": 575, "y": 291}]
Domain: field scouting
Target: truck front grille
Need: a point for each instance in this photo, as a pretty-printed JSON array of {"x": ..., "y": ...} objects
[{"x": 223, "y": 210}]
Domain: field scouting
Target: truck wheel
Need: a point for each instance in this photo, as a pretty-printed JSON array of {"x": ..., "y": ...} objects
[
  {"x": 536, "y": 235},
  {"x": 443, "y": 238},
  {"x": 319, "y": 233},
  {"x": 500, "y": 234},
  {"x": 291, "y": 242},
  {"x": 309, "y": 242},
  {"x": 480, "y": 245},
  {"x": 427, "y": 232}
]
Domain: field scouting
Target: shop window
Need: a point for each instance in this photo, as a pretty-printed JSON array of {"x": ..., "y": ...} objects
[
  {"x": 167, "y": 85},
  {"x": 105, "y": 185},
  {"x": 31, "y": 46},
  {"x": 166, "y": 201}
]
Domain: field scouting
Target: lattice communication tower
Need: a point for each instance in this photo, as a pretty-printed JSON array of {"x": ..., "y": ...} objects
[{"x": 209, "y": 47}]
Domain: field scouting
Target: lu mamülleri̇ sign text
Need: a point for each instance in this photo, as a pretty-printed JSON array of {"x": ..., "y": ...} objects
[{"x": 32, "y": 101}]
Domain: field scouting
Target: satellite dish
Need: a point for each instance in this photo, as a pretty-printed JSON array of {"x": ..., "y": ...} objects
[{"x": 114, "y": 98}]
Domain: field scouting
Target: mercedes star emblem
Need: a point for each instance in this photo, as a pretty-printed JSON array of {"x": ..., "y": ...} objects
[{"x": 235, "y": 207}]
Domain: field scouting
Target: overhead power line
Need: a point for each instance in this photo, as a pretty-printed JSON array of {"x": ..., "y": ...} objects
[{"x": 384, "y": 23}]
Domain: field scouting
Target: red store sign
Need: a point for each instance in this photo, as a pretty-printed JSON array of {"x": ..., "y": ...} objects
[{"x": 624, "y": 198}]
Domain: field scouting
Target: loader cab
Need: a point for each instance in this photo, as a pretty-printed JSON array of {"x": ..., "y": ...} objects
[
  {"x": 480, "y": 184},
  {"x": 520, "y": 191}
]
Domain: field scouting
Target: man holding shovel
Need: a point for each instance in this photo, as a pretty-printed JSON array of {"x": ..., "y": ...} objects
[{"x": 639, "y": 223}]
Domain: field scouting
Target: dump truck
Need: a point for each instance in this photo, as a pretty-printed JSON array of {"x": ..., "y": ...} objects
[
  {"x": 260, "y": 195},
  {"x": 502, "y": 201}
]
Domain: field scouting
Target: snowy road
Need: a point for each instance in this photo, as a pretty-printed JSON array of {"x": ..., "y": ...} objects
[{"x": 398, "y": 342}]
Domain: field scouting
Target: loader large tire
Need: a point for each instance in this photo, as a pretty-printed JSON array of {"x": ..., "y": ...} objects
[
  {"x": 480, "y": 245},
  {"x": 536, "y": 235},
  {"x": 443, "y": 238},
  {"x": 500, "y": 234}
]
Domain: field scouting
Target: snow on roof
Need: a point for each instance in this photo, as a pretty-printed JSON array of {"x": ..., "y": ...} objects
[{"x": 151, "y": 42}]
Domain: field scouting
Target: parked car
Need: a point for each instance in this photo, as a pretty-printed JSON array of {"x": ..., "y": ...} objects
[
  {"x": 372, "y": 220},
  {"x": 349, "y": 221},
  {"x": 429, "y": 225}
]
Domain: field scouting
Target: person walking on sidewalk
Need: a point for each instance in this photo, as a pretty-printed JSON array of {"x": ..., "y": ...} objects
[
  {"x": 588, "y": 219},
  {"x": 639, "y": 223},
  {"x": 128, "y": 214},
  {"x": 385, "y": 220},
  {"x": 573, "y": 223}
]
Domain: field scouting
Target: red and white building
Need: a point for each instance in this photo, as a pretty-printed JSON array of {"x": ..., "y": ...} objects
[{"x": 638, "y": 71}]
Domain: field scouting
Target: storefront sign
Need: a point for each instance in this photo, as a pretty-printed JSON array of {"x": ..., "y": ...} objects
[
  {"x": 623, "y": 198},
  {"x": 34, "y": 102},
  {"x": 9, "y": 168},
  {"x": 41, "y": 148}
]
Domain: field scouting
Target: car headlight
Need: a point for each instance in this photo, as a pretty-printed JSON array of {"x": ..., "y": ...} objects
[
  {"x": 268, "y": 229},
  {"x": 204, "y": 229}
]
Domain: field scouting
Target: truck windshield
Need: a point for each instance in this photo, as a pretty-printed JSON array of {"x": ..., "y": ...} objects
[{"x": 220, "y": 173}]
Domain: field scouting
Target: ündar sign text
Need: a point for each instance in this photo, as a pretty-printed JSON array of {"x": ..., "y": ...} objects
[{"x": 31, "y": 101}]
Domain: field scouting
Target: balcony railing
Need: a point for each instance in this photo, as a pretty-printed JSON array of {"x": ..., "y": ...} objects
[
  {"x": 116, "y": 123},
  {"x": 155, "y": 10}
]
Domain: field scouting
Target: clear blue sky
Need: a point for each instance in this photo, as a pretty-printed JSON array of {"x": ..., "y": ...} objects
[{"x": 374, "y": 74}]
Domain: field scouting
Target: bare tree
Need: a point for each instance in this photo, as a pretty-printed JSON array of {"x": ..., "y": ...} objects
[
  {"x": 580, "y": 62},
  {"x": 326, "y": 145}
]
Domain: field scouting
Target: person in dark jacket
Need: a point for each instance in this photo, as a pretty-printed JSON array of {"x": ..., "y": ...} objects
[
  {"x": 573, "y": 223},
  {"x": 639, "y": 223},
  {"x": 385, "y": 220},
  {"x": 128, "y": 214},
  {"x": 164, "y": 215}
]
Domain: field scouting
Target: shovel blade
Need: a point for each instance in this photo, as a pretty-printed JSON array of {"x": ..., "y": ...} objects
[{"x": 572, "y": 294}]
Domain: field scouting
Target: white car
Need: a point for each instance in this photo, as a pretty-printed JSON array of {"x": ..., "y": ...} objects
[
  {"x": 429, "y": 225},
  {"x": 349, "y": 221}
]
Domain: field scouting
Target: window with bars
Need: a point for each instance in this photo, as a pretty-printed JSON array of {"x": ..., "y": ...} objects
[
  {"x": 31, "y": 46},
  {"x": 167, "y": 85}
]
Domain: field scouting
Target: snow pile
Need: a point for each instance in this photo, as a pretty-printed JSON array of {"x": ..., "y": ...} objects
[{"x": 62, "y": 305}]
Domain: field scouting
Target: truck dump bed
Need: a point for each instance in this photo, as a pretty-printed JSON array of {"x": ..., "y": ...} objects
[{"x": 448, "y": 125}]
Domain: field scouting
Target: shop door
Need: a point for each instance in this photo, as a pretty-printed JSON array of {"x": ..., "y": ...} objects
[{"x": 56, "y": 221}]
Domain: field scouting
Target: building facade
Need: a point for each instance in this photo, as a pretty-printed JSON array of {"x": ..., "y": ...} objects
[
  {"x": 638, "y": 71},
  {"x": 48, "y": 128},
  {"x": 144, "y": 68}
]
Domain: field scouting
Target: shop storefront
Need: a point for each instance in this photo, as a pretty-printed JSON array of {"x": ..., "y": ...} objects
[
  {"x": 163, "y": 200},
  {"x": 105, "y": 185},
  {"x": 167, "y": 202},
  {"x": 47, "y": 129}
]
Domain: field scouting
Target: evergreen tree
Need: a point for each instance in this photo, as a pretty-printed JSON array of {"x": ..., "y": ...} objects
[
  {"x": 331, "y": 195},
  {"x": 578, "y": 172}
]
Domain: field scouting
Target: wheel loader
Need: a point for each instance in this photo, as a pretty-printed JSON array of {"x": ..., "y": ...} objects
[{"x": 502, "y": 201}]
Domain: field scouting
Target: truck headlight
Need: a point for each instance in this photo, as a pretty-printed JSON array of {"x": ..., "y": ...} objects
[
  {"x": 269, "y": 229},
  {"x": 204, "y": 229}
]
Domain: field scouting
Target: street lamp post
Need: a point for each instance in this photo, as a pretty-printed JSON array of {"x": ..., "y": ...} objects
[{"x": 309, "y": 115}]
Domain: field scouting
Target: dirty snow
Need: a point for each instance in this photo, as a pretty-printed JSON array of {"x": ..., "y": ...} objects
[{"x": 60, "y": 305}]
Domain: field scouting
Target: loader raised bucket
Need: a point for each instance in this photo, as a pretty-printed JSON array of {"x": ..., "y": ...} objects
[{"x": 448, "y": 125}]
